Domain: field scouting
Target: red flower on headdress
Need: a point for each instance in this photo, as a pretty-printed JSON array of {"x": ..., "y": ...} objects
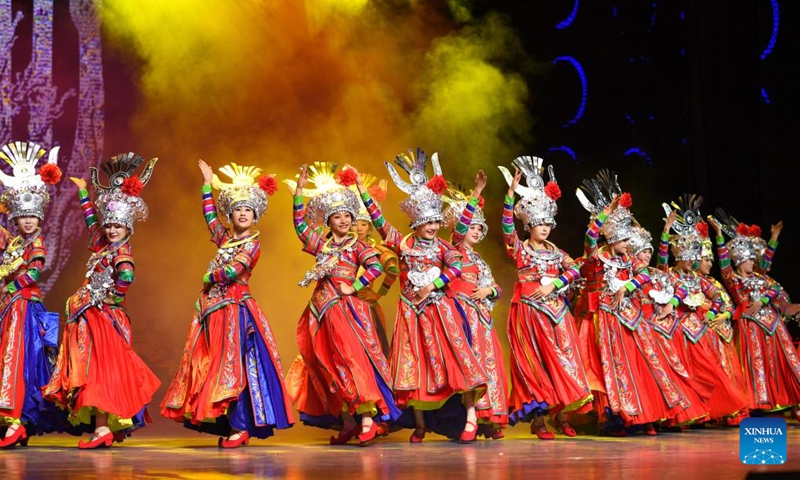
[
  {"x": 377, "y": 193},
  {"x": 754, "y": 231},
  {"x": 702, "y": 229},
  {"x": 552, "y": 190},
  {"x": 50, "y": 173},
  {"x": 347, "y": 177},
  {"x": 268, "y": 184},
  {"x": 480, "y": 201},
  {"x": 625, "y": 200},
  {"x": 742, "y": 229},
  {"x": 437, "y": 184},
  {"x": 132, "y": 186}
]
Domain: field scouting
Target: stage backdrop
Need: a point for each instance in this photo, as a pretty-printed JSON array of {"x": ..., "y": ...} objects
[{"x": 671, "y": 95}]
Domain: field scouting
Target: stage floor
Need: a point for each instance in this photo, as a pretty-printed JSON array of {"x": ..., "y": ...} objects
[{"x": 166, "y": 451}]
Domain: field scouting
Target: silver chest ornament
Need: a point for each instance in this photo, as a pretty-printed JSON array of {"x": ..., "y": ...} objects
[
  {"x": 695, "y": 297},
  {"x": 100, "y": 281},
  {"x": 757, "y": 288},
  {"x": 327, "y": 260},
  {"x": 420, "y": 272},
  {"x": 612, "y": 268},
  {"x": 485, "y": 278},
  {"x": 662, "y": 290}
]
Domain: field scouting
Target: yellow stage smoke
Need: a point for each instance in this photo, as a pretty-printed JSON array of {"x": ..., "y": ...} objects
[{"x": 279, "y": 83}]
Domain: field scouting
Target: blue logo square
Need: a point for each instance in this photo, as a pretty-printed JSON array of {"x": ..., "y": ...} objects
[{"x": 762, "y": 441}]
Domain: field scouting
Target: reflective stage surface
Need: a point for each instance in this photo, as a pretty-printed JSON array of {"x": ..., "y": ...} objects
[{"x": 167, "y": 451}]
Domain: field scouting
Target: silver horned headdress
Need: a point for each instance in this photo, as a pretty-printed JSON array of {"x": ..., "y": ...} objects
[
  {"x": 331, "y": 193},
  {"x": 26, "y": 193},
  {"x": 619, "y": 224},
  {"x": 687, "y": 243},
  {"x": 639, "y": 241},
  {"x": 247, "y": 188},
  {"x": 538, "y": 204},
  {"x": 457, "y": 198},
  {"x": 745, "y": 243},
  {"x": 119, "y": 201},
  {"x": 424, "y": 202}
]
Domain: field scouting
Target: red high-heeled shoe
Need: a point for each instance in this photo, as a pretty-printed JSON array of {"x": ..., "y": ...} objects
[
  {"x": 542, "y": 432},
  {"x": 414, "y": 438},
  {"x": 345, "y": 435},
  {"x": 369, "y": 435},
  {"x": 567, "y": 429},
  {"x": 383, "y": 430},
  {"x": 244, "y": 439},
  {"x": 495, "y": 434},
  {"x": 120, "y": 437},
  {"x": 20, "y": 436},
  {"x": 650, "y": 430},
  {"x": 97, "y": 441},
  {"x": 469, "y": 437}
]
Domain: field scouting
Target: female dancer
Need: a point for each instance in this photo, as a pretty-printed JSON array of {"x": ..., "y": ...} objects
[
  {"x": 771, "y": 364},
  {"x": 362, "y": 227},
  {"x": 477, "y": 293},
  {"x": 230, "y": 382},
  {"x": 347, "y": 373},
  {"x": 699, "y": 308},
  {"x": 431, "y": 356},
  {"x": 28, "y": 334},
  {"x": 547, "y": 371},
  {"x": 98, "y": 378},
  {"x": 631, "y": 379}
]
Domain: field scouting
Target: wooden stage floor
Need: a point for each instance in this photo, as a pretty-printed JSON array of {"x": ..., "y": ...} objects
[{"x": 168, "y": 451}]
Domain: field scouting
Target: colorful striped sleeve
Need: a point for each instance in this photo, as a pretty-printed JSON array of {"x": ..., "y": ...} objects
[
  {"x": 391, "y": 271},
  {"x": 229, "y": 272},
  {"x": 312, "y": 241},
  {"x": 571, "y": 273},
  {"x": 765, "y": 262},
  {"x": 593, "y": 233},
  {"x": 369, "y": 259},
  {"x": 662, "y": 262},
  {"x": 390, "y": 235},
  {"x": 87, "y": 207},
  {"x": 641, "y": 277},
  {"x": 464, "y": 222},
  {"x": 452, "y": 261},
  {"x": 125, "y": 275},
  {"x": 510, "y": 237},
  {"x": 713, "y": 294},
  {"x": 218, "y": 232}
]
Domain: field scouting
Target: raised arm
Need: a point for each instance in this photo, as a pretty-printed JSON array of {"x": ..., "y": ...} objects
[
  {"x": 765, "y": 262},
  {"x": 87, "y": 206},
  {"x": 722, "y": 252},
  {"x": 465, "y": 220},
  {"x": 662, "y": 262},
  {"x": 231, "y": 271},
  {"x": 390, "y": 235},
  {"x": 219, "y": 234},
  {"x": 510, "y": 237},
  {"x": 593, "y": 232}
]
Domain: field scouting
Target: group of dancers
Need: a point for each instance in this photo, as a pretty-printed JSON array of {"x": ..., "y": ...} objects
[{"x": 605, "y": 336}]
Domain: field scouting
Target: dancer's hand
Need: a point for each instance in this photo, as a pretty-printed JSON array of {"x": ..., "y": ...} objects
[
  {"x": 480, "y": 184},
  {"x": 792, "y": 309},
  {"x": 514, "y": 182},
  {"x": 109, "y": 301},
  {"x": 716, "y": 225},
  {"x": 717, "y": 320},
  {"x": 775, "y": 231},
  {"x": 665, "y": 310},
  {"x": 302, "y": 180},
  {"x": 616, "y": 301},
  {"x": 753, "y": 309},
  {"x": 611, "y": 206},
  {"x": 206, "y": 171},
  {"x": 543, "y": 291},
  {"x": 368, "y": 295},
  {"x": 670, "y": 221},
  {"x": 423, "y": 293},
  {"x": 481, "y": 293},
  {"x": 346, "y": 289},
  {"x": 79, "y": 182}
]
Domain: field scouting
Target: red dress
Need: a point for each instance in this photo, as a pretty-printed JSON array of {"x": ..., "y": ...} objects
[
  {"x": 342, "y": 363},
  {"x": 769, "y": 359},
  {"x": 629, "y": 375},
  {"x": 431, "y": 355},
  {"x": 547, "y": 371},
  {"x": 97, "y": 369},
  {"x": 26, "y": 331},
  {"x": 230, "y": 375},
  {"x": 492, "y": 408}
]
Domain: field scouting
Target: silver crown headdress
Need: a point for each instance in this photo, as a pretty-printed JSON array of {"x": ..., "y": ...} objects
[
  {"x": 687, "y": 243},
  {"x": 602, "y": 189},
  {"x": 328, "y": 196},
  {"x": 742, "y": 246},
  {"x": 423, "y": 205},
  {"x": 244, "y": 190},
  {"x": 119, "y": 202},
  {"x": 457, "y": 198},
  {"x": 26, "y": 192},
  {"x": 536, "y": 206},
  {"x": 639, "y": 241}
]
